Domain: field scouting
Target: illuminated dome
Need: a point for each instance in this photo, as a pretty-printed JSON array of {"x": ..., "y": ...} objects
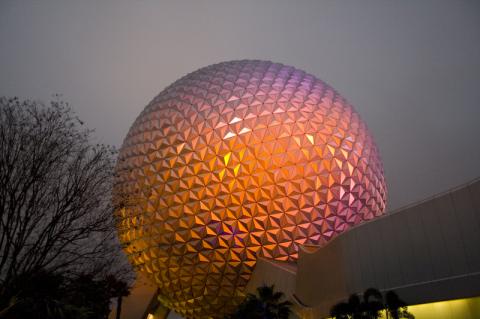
[{"x": 238, "y": 160}]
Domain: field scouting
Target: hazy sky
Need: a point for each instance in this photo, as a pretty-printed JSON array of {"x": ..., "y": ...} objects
[{"x": 410, "y": 68}]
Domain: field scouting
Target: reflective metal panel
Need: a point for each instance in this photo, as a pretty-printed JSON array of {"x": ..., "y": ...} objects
[{"x": 236, "y": 160}]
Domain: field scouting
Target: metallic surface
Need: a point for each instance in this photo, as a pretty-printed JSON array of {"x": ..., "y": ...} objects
[
  {"x": 426, "y": 252},
  {"x": 236, "y": 160}
]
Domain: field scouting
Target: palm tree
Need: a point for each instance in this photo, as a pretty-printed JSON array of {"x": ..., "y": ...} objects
[
  {"x": 266, "y": 304},
  {"x": 395, "y": 307},
  {"x": 372, "y": 303},
  {"x": 352, "y": 309},
  {"x": 371, "y": 306},
  {"x": 341, "y": 310},
  {"x": 118, "y": 289}
]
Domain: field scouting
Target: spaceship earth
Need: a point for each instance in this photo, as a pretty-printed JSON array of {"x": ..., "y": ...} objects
[{"x": 235, "y": 161}]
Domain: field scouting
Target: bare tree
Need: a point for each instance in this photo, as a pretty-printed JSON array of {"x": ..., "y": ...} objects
[{"x": 55, "y": 191}]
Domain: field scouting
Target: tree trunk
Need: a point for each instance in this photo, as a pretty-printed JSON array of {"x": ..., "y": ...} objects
[{"x": 119, "y": 307}]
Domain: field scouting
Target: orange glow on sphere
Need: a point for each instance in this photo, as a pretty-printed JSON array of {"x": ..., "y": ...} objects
[{"x": 238, "y": 160}]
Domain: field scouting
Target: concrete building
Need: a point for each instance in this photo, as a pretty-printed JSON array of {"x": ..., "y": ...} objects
[{"x": 427, "y": 252}]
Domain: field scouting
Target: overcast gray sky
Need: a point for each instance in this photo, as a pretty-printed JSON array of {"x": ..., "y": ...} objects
[{"x": 410, "y": 68}]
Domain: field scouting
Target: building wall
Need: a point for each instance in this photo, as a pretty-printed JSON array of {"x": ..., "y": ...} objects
[
  {"x": 468, "y": 308},
  {"x": 426, "y": 252},
  {"x": 269, "y": 272},
  {"x": 141, "y": 294},
  {"x": 280, "y": 274}
]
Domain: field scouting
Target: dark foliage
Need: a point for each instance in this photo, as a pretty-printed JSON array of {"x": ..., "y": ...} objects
[
  {"x": 47, "y": 295},
  {"x": 371, "y": 306},
  {"x": 266, "y": 304},
  {"x": 56, "y": 222},
  {"x": 396, "y": 307},
  {"x": 372, "y": 303}
]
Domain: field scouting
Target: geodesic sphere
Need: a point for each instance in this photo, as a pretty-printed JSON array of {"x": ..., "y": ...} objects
[{"x": 238, "y": 160}]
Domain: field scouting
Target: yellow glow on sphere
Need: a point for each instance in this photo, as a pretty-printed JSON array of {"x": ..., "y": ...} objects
[{"x": 238, "y": 160}]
